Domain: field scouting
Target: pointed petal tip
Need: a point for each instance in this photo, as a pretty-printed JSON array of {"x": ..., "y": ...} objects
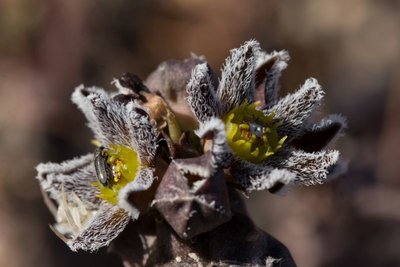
[
  {"x": 214, "y": 129},
  {"x": 281, "y": 57},
  {"x": 200, "y": 68},
  {"x": 238, "y": 76},
  {"x": 105, "y": 226},
  {"x": 255, "y": 177},
  {"x": 210, "y": 125},
  {"x": 81, "y": 92},
  {"x": 334, "y": 156},
  {"x": 126, "y": 196},
  {"x": 251, "y": 43},
  {"x": 312, "y": 84},
  {"x": 201, "y": 93},
  {"x": 337, "y": 118}
]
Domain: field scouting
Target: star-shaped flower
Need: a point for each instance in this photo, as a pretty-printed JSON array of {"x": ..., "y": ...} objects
[
  {"x": 265, "y": 142},
  {"x": 90, "y": 212}
]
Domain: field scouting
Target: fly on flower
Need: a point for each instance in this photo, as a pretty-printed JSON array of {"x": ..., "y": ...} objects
[
  {"x": 252, "y": 135},
  {"x": 104, "y": 172},
  {"x": 259, "y": 138},
  {"x": 94, "y": 194}
]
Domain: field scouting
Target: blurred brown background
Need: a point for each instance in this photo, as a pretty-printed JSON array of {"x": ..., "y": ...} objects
[{"x": 47, "y": 47}]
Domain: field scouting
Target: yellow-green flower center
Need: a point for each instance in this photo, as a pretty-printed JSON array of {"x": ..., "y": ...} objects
[
  {"x": 124, "y": 163},
  {"x": 252, "y": 135}
]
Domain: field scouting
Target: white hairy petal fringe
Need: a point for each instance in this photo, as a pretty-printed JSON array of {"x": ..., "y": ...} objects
[
  {"x": 76, "y": 176},
  {"x": 107, "y": 118},
  {"x": 142, "y": 182},
  {"x": 221, "y": 154},
  {"x": 310, "y": 168},
  {"x": 194, "y": 169},
  {"x": 143, "y": 133},
  {"x": 238, "y": 76},
  {"x": 328, "y": 122},
  {"x": 317, "y": 136},
  {"x": 294, "y": 109},
  {"x": 273, "y": 76},
  {"x": 106, "y": 225},
  {"x": 201, "y": 96},
  {"x": 256, "y": 177}
]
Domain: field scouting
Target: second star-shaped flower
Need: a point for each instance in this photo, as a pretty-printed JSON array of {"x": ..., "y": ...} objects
[{"x": 263, "y": 141}]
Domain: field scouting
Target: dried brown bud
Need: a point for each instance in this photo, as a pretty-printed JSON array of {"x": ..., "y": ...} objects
[{"x": 193, "y": 197}]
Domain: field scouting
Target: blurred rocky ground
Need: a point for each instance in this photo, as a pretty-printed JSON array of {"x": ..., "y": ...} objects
[{"x": 47, "y": 47}]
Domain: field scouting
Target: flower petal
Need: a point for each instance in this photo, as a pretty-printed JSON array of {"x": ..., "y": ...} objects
[
  {"x": 318, "y": 136},
  {"x": 256, "y": 177},
  {"x": 114, "y": 122},
  {"x": 101, "y": 230},
  {"x": 136, "y": 196},
  {"x": 238, "y": 76},
  {"x": 268, "y": 71},
  {"x": 76, "y": 176},
  {"x": 310, "y": 168},
  {"x": 107, "y": 118},
  {"x": 214, "y": 129},
  {"x": 143, "y": 133},
  {"x": 170, "y": 79},
  {"x": 294, "y": 109},
  {"x": 201, "y": 96}
]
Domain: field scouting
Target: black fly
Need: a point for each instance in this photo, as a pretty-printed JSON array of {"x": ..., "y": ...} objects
[{"x": 104, "y": 172}]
